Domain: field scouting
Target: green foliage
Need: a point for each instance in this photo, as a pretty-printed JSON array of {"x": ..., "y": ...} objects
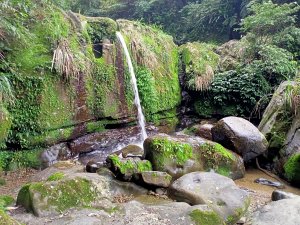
[
  {"x": 199, "y": 63},
  {"x": 56, "y": 176},
  {"x": 241, "y": 89},
  {"x": 10, "y": 160},
  {"x": 147, "y": 91},
  {"x": 206, "y": 217}
]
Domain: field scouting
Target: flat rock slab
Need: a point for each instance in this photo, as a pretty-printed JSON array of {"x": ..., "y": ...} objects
[
  {"x": 283, "y": 212},
  {"x": 132, "y": 213},
  {"x": 215, "y": 190}
]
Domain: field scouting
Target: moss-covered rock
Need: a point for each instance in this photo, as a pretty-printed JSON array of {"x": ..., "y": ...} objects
[
  {"x": 127, "y": 168},
  {"x": 292, "y": 169},
  {"x": 199, "y": 63},
  {"x": 182, "y": 155}
]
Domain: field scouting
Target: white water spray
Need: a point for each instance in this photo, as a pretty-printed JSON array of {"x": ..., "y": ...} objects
[{"x": 137, "y": 102}]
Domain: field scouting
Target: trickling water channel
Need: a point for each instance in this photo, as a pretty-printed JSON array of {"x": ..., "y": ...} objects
[{"x": 137, "y": 102}]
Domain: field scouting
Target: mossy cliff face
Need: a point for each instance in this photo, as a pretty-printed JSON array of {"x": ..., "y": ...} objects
[
  {"x": 182, "y": 155},
  {"x": 69, "y": 70},
  {"x": 156, "y": 61}
]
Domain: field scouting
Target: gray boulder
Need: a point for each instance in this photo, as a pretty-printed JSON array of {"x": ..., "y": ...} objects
[
  {"x": 217, "y": 191},
  {"x": 241, "y": 136},
  {"x": 133, "y": 151},
  {"x": 279, "y": 195},
  {"x": 283, "y": 212},
  {"x": 54, "y": 154}
]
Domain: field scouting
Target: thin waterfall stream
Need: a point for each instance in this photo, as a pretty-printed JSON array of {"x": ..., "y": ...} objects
[{"x": 137, "y": 102}]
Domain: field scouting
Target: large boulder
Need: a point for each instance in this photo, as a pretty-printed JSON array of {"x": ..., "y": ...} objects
[
  {"x": 179, "y": 155},
  {"x": 281, "y": 212},
  {"x": 240, "y": 136},
  {"x": 68, "y": 189},
  {"x": 156, "y": 178},
  {"x": 217, "y": 191}
]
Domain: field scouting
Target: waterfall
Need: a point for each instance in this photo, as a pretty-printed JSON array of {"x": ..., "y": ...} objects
[{"x": 137, "y": 102}]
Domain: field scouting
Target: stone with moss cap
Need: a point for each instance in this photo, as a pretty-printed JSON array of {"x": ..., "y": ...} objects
[
  {"x": 218, "y": 192},
  {"x": 156, "y": 178},
  {"x": 127, "y": 168},
  {"x": 179, "y": 155}
]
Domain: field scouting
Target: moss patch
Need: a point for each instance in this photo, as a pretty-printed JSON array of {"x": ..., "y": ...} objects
[
  {"x": 292, "y": 169},
  {"x": 6, "y": 219},
  {"x": 129, "y": 166},
  {"x": 56, "y": 176},
  {"x": 216, "y": 157},
  {"x": 205, "y": 217},
  {"x": 166, "y": 150}
]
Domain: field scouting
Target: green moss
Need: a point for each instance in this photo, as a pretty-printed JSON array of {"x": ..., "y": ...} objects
[
  {"x": 97, "y": 126},
  {"x": 5, "y": 124},
  {"x": 2, "y": 180},
  {"x": 238, "y": 213},
  {"x": 65, "y": 194},
  {"x": 205, "y": 217},
  {"x": 56, "y": 176},
  {"x": 130, "y": 166},
  {"x": 216, "y": 157},
  {"x": 167, "y": 150},
  {"x": 55, "y": 110},
  {"x": 101, "y": 28},
  {"x": 292, "y": 168}
]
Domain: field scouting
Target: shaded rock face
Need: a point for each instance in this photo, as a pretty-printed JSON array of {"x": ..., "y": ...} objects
[
  {"x": 241, "y": 136},
  {"x": 180, "y": 155},
  {"x": 201, "y": 130},
  {"x": 281, "y": 212},
  {"x": 281, "y": 127},
  {"x": 279, "y": 195},
  {"x": 54, "y": 154},
  {"x": 217, "y": 191}
]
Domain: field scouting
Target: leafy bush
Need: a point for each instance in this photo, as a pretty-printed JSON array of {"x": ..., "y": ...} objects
[
  {"x": 235, "y": 92},
  {"x": 10, "y": 160}
]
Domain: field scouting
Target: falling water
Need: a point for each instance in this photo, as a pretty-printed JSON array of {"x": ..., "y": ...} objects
[{"x": 137, "y": 102}]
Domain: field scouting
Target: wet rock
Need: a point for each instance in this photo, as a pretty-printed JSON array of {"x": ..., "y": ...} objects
[
  {"x": 49, "y": 198},
  {"x": 54, "y": 154},
  {"x": 281, "y": 212},
  {"x": 127, "y": 168},
  {"x": 279, "y": 195},
  {"x": 217, "y": 191},
  {"x": 156, "y": 178},
  {"x": 240, "y": 136},
  {"x": 267, "y": 182},
  {"x": 179, "y": 155},
  {"x": 92, "y": 166},
  {"x": 133, "y": 151}
]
